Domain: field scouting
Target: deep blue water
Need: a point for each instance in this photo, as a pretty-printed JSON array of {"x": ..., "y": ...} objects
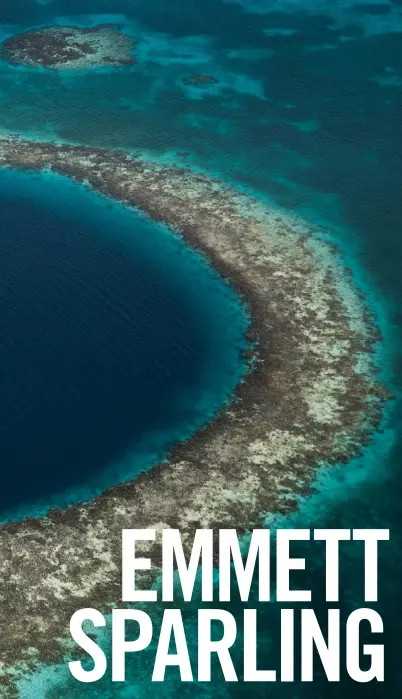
[
  {"x": 106, "y": 357},
  {"x": 308, "y": 111}
]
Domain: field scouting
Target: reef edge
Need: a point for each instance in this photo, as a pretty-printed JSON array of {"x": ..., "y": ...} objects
[{"x": 312, "y": 397}]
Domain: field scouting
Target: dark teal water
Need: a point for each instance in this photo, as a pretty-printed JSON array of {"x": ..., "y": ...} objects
[
  {"x": 109, "y": 350},
  {"x": 307, "y": 110}
]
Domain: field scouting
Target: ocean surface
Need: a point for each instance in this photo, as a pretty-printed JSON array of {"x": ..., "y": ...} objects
[
  {"x": 307, "y": 111},
  {"x": 110, "y": 352}
]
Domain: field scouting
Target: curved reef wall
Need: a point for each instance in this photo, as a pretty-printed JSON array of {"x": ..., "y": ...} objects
[{"x": 312, "y": 396}]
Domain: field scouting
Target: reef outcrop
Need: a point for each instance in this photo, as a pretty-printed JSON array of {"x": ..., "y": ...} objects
[
  {"x": 64, "y": 47},
  {"x": 312, "y": 397},
  {"x": 198, "y": 80}
]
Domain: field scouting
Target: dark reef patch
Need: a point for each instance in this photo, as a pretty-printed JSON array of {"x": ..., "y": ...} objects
[
  {"x": 69, "y": 47},
  {"x": 198, "y": 80}
]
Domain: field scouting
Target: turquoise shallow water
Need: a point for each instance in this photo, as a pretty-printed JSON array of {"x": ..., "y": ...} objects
[{"x": 307, "y": 110}]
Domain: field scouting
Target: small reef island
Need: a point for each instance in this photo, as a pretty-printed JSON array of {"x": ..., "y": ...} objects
[
  {"x": 312, "y": 397},
  {"x": 63, "y": 47}
]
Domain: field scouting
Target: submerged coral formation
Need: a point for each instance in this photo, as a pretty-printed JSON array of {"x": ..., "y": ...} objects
[
  {"x": 65, "y": 47},
  {"x": 312, "y": 396},
  {"x": 198, "y": 80}
]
